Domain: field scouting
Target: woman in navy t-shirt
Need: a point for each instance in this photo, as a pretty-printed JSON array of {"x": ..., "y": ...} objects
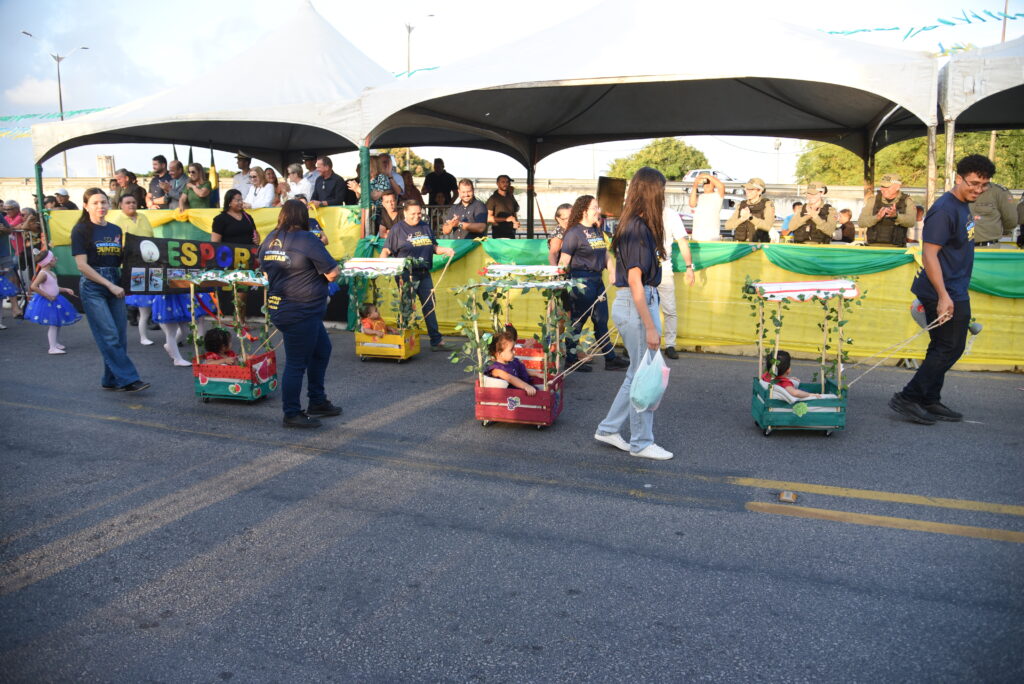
[
  {"x": 97, "y": 248},
  {"x": 639, "y": 249},
  {"x": 411, "y": 238},
  {"x": 584, "y": 256},
  {"x": 298, "y": 269}
]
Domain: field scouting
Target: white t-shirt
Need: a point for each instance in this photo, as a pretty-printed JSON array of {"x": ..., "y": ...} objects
[
  {"x": 260, "y": 198},
  {"x": 241, "y": 182},
  {"x": 303, "y": 187},
  {"x": 674, "y": 231},
  {"x": 707, "y": 217}
]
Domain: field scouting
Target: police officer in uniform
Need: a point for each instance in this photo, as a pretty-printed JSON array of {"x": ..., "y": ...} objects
[
  {"x": 754, "y": 216},
  {"x": 816, "y": 220},
  {"x": 994, "y": 215},
  {"x": 890, "y": 215}
]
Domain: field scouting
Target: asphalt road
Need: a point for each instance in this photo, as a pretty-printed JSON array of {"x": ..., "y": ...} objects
[{"x": 151, "y": 537}]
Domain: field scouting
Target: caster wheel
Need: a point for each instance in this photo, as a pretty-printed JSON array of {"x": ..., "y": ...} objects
[
  {"x": 206, "y": 400},
  {"x": 541, "y": 427},
  {"x": 362, "y": 358},
  {"x": 485, "y": 423},
  {"x": 399, "y": 361},
  {"x": 767, "y": 431},
  {"x": 828, "y": 433}
]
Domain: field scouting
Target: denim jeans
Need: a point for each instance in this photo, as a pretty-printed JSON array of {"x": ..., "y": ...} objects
[
  {"x": 631, "y": 327},
  {"x": 424, "y": 284},
  {"x": 945, "y": 348},
  {"x": 108, "y": 321},
  {"x": 307, "y": 351},
  {"x": 582, "y": 300}
]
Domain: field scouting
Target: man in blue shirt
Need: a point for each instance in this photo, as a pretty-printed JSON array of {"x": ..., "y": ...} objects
[{"x": 948, "y": 257}]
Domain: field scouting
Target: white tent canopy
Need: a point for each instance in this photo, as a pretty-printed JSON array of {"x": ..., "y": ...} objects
[
  {"x": 652, "y": 69},
  {"x": 984, "y": 89},
  {"x": 295, "y": 111}
]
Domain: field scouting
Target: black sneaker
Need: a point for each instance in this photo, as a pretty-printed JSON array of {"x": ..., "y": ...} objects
[
  {"x": 301, "y": 420},
  {"x": 911, "y": 409},
  {"x": 326, "y": 409},
  {"x": 671, "y": 353},
  {"x": 584, "y": 368},
  {"x": 615, "y": 364},
  {"x": 136, "y": 386},
  {"x": 110, "y": 388},
  {"x": 943, "y": 412}
]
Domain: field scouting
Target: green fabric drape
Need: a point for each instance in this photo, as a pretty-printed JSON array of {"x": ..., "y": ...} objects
[
  {"x": 180, "y": 230},
  {"x": 461, "y": 247},
  {"x": 708, "y": 254},
  {"x": 519, "y": 252},
  {"x": 835, "y": 261},
  {"x": 999, "y": 273}
]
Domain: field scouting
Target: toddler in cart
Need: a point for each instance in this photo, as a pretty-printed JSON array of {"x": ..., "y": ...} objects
[
  {"x": 217, "y": 343},
  {"x": 784, "y": 380},
  {"x": 505, "y": 365},
  {"x": 372, "y": 323}
]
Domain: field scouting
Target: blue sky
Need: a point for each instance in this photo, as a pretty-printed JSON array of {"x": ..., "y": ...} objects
[{"x": 138, "y": 48}]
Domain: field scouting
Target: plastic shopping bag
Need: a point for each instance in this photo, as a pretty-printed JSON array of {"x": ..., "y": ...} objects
[{"x": 649, "y": 382}]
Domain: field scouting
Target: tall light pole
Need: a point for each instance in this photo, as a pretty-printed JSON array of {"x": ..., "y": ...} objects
[
  {"x": 408, "y": 46},
  {"x": 58, "y": 58}
]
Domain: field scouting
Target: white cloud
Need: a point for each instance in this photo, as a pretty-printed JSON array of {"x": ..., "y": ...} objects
[{"x": 33, "y": 92}]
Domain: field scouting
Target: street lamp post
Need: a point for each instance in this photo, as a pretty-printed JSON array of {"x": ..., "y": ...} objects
[
  {"x": 408, "y": 68},
  {"x": 58, "y": 58}
]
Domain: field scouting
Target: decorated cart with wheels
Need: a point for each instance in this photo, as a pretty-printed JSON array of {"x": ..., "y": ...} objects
[
  {"x": 403, "y": 344},
  {"x": 252, "y": 375},
  {"x": 486, "y": 307},
  {"x": 773, "y": 407}
]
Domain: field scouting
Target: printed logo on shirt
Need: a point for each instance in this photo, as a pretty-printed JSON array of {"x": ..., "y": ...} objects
[
  {"x": 595, "y": 240},
  {"x": 109, "y": 248},
  {"x": 420, "y": 240},
  {"x": 970, "y": 231},
  {"x": 273, "y": 301}
]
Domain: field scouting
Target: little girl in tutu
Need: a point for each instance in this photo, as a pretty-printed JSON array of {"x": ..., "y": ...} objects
[
  {"x": 49, "y": 307},
  {"x": 171, "y": 313}
]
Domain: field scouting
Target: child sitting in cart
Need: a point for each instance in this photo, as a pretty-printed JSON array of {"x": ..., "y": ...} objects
[
  {"x": 372, "y": 323},
  {"x": 505, "y": 365},
  {"x": 784, "y": 380},
  {"x": 217, "y": 343}
]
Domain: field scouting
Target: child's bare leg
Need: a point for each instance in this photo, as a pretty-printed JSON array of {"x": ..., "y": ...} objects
[{"x": 144, "y": 313}]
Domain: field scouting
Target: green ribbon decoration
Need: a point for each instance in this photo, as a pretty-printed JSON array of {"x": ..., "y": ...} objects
[
  {"x": 518, "y": 252},
  {"x": 999, "y": 273},
  {"x": 461, "y": 247},
  {"x": 708, "y": 254},
  {"x": 835, "y": 261}
]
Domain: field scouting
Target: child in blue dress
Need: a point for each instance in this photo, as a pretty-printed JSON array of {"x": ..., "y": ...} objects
[
  {"x": 171, "y": 313},
  {"x": 49, "y": 307}
]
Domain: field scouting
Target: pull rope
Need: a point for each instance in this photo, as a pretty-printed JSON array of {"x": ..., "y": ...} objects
[{"x": 888, "y": 352}]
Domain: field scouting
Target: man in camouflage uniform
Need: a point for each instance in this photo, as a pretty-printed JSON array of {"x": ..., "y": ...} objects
[
  {"x": 754, "y": 216},
  {"x": 994, "y": 215},
  {"x": 891, "y": 213}
]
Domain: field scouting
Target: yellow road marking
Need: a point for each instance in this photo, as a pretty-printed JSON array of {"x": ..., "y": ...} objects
[
  {"x": 895, "y": 497},
  {"x": 886, "y": 521}
]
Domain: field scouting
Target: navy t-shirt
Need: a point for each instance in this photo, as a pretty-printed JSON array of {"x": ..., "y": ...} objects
[
  {"x": 948, "y": 223},
  {"x": 416, "y": 242},
  {"x": 586, "y": 247},
  {"x": 101, "y": 244},
  {"x": 635, "y": 248},
  {"x": 295, "y": 262}
]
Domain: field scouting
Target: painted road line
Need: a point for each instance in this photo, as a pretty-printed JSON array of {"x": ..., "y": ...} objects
[
  {"x": 875, "y": 495},
  {"x": 886, "y": 521}
]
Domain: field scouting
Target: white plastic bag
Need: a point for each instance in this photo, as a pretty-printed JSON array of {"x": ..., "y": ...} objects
[{"x": 649, "y": 382}]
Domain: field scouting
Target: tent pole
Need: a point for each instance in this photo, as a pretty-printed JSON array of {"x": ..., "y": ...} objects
[
  {"x": 950, "y": 152},
  {"x": 869, "y": 170},
  {"x": 44, "y": 216},
  {"x": 364, "y": 185},
  {"x": 531, "y": 195},
  {"x": 932, "y": 168}
]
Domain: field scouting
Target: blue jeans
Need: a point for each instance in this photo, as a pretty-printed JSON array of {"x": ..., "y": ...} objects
[
  {"x": 307, "y": 351},
  {"x": 582, "y": 300},
  {"x": 424, "y": 284},
  {"x": 631, "y": 327},
  {"x": 945, "y": 348},
  {"x": 108, "y": 321}
]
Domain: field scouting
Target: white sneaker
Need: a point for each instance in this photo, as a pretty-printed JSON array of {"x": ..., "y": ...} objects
[
  {"x": 55, "y": 350},
  {"x": 614, "y": 439},
  {"x": 653, "y": 452}
]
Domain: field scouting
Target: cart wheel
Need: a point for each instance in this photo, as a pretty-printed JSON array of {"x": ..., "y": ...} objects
[
  {"x": 541, "y": 427},
  {"x": 767, "y": 431},
  {"x": 399, "y": 360},
  {"x": 828, "y": 433},
  {"x": 362, "y": 358},
  {"x": 206, "y": 400},
  {"x": 485, "y": 423}
]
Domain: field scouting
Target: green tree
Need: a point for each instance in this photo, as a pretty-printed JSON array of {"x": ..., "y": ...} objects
[
  {"x": 671, "y": 156},
  {"x": 834, "y": 165},
  {"x": 410, "y": 161}
]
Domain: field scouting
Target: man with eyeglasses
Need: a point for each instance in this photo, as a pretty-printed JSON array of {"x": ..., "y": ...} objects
[
  {"x": 994, "y": 215},
  {"x": 948, "y": 257},
  {"x": 890, "y": 215}
]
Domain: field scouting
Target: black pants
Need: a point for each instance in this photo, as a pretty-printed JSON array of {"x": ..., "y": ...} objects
[{"x": 946, "y": 345}]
